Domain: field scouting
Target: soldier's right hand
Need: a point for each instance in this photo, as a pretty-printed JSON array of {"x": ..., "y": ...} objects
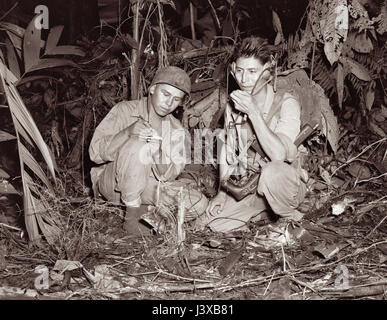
[{"x": 140, "y": 128}]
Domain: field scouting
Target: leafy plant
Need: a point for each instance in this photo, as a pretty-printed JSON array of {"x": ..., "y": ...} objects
[
  {"x": 23, "y": 51},
  {"x": 26, "y": 130},
  {"x": 349, "y": 54},
  {"x": 24, "y": 47}
]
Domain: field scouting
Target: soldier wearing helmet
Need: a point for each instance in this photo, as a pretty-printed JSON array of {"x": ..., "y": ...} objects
[{"x": 136, "y": 147}]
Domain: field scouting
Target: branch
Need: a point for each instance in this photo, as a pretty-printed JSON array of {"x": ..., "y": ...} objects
[
  {"x": 354, "y": 158},
  {"x": 5, "y": 14},
  {"x": 195, "y": 53}
]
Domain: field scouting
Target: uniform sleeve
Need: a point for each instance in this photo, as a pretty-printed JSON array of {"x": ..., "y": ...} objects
[
  {"x": 288, "y": 125},
  {"x": 120, "y": 117}
]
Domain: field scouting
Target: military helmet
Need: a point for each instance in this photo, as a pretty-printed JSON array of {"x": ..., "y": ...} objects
[{"x": 173, "y": 76}]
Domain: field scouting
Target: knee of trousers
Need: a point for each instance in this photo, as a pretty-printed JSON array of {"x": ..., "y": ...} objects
[
  {"x": 134, "y": 151},
  {"x": 273, "y": 175},
  {"x": 281, "y": 185}
]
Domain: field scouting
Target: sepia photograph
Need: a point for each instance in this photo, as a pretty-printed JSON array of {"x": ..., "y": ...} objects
[{"x": 196, "y": 157}]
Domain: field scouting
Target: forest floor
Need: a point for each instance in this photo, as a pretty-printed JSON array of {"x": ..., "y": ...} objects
[{"x": 338, "y": 251}]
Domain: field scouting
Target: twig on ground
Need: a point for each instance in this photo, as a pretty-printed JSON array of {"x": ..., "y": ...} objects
[
  {"x": 283, "y": 258},
  {"x": 182, "y": 278},
  {"x": 10, "y": 227},
  {"x": 381, "y": 221},
  {"x": 271, "y": 279},
  {"x": 368, "y": 289},
  {"x": 354, "y": 158},
  {"x": 302, "y": 283},
  {"x": 370, "y": 179}
]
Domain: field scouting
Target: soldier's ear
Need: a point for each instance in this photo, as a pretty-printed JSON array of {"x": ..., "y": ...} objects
[
  {"x": 267, "y": 68},
  {"x": 232, "y": 69},
  {"x": 152, "y": 89},
  {"x": 267, "y": 65}
]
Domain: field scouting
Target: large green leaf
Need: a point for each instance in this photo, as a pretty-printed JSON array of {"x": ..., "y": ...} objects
[
  {"x": 6, "y": 187},
  {"x": 13, "y": 28},
  {"x": 41, "y": 211},
  {"x": 34, "y": 166},
  {"x": 370, "y": 96},
  {"x": 356, "y": 68},
  {"x": 277, "y": 28},
  {"x": 37, "y": 77},
  {"x": 335, "y": 28},
  {"x": 52, "y": 63},
  {"x": 29, "y": 125},
  {"x": 18, "y": 109},
  {"x": 52, "y": 47},
  {"x": 31, "y": 45},
  {"x": 8, "y": 76},
  {"x": 25, "y": 125},
  {"x": 74, "y": 50},
  {"x": 29, "y": 210},
  {"x": 5, "y": 136},
  {"x": 362, "y": 43},
  {"x": 15, "y": 34},
  {"x": 19, "y": 127},
  {"x": 53, "y": 38},
  {"x": 3, "y": 175},
  {"x": 340, "y": 83},
  {"x": 13, "y": 63}
]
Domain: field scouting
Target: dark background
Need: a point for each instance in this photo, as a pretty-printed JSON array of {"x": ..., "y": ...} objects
[{"x": 79, "y": 17}]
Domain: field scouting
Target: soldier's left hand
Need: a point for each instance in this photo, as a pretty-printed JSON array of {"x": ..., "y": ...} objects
[{"x": 244, "y": 101}]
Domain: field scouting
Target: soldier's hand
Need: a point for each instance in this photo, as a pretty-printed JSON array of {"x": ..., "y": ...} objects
[
  {"x": 141, "y": 129},
  {"x": 244, "y": 102},
  {"x": 216, "y": 205}
]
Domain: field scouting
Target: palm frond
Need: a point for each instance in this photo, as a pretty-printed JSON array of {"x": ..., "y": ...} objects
[{"x": 25, "y": 127}]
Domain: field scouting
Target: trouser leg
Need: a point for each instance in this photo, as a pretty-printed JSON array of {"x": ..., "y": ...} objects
[
  {"x": 283, "y": 189},
  {"x": 126, "y": 178},
  {"x": 235, "y": 214},
  {"x": 130, "y": 179},
  {"x": 280, "y": 188}
]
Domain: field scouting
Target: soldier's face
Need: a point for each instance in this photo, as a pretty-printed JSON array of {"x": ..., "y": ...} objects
[
  {"x": 246, "y": 72},
  {"x": 165, "y": 98}
]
